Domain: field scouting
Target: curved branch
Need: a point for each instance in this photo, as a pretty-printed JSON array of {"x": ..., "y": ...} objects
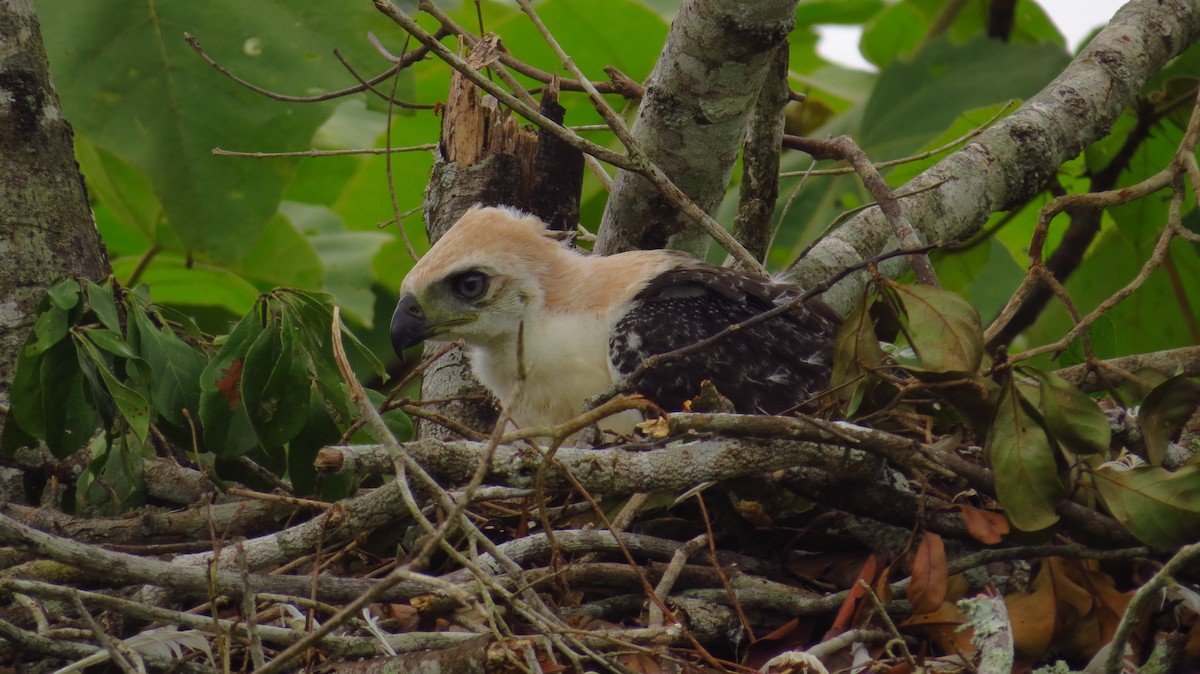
[
  {"x": 1011, "y": 162},
  {"x": 703, "y": 89}
]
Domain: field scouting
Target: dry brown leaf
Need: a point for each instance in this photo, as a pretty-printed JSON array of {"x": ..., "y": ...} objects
[
  {"x": 985, "y": 526},
  {"x": 941, "y": 625},
  {"x": 855, "y": 597},
  {"x": 641, "y": 662},
  {"x": 927, "y": 590},
  {"x": 658, "y": 427},
  {"x": 1074, "y": 601},
  {"x": 1032, "y": 615}
]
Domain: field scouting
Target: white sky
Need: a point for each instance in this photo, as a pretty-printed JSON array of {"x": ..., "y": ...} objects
[{"x": 1075, "y": 18}]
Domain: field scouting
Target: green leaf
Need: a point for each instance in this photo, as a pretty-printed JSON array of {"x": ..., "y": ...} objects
[
  {"x": 314, "y": 315},
  {"x": 848, "y": 12},
  {"x": 856, "y": 351},
  {"x": 113, "y": 482},
  {"x": 397, "y": 421},
  {"x": 65, "y": 294},
  {"x": 134, "y": 407},
  {"x": 275, "y": 383},
  {"x": 346, "y": 256},
  {"x": 319, "y": 431},
  {"x": 1024, "y": 463},
  {"x": 1104, "y": 343},
  {"x": 227, "y": 428},
  {"x": 130, "y": 82},
  {"x": 348, "y": 273},
  {"x": 944, "y": 328},
  {"x": 282, "y": 257},
  {"x": 1073, "y": 417},
  {"x": 127, "y": 194},
  {"x": 50, "y": 329},
  {"x": 175, "y": 283},
  {"x": 50, "y": 403},
  {"x": 1164, "y": 413},
  {"x": 175, "y": 368},
  {"x": 100, "y": 299},
  {"x": 895, "y": 32},
  {"x": 1160, "y": 507},
  {"x": 915, "y": 100},
  {"x": 110, "y": 341}
]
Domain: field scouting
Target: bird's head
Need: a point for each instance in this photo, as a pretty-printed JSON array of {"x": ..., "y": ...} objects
[{"x": 478, "y": 281}]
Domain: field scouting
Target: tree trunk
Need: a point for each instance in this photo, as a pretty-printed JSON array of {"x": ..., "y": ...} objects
[
  {"x": 692, "y": 121},
  {"x": 46, "y": 225}
]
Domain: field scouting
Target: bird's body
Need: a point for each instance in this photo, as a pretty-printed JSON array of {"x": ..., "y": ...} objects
[{"x": 577, "y": 323}]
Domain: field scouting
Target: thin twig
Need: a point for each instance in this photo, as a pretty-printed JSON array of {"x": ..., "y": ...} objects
[
  {"x": 413, "y": 57},
  {"x": 219, "y": 152},
  {"x": 1141, "y": 601},
  {"x": 911, "y": 158},
  {"x": 844, "y": 147}
]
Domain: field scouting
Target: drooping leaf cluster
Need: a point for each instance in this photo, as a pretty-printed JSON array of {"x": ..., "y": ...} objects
[
  {"x": 104, "y": 364},
  {"x": 1045, "y": 440}
]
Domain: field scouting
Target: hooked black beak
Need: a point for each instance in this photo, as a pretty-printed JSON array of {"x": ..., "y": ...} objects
[{"x": 409, "y": 326}]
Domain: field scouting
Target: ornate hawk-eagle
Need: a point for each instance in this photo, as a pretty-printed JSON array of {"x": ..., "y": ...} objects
[{"x": 586, "y": 322}]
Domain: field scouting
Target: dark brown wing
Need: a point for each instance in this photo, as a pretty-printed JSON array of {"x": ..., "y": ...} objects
[{"x": 764, "y": 369}]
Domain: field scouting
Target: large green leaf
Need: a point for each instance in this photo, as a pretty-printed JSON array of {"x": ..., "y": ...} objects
[
  {"x": 174, "y": 282},
  {"x": 1072, "y": 416},
  {"x": 944, "y": 329},
  {"x": 130, "y": 82},
  {"x": 825, "y": 12},
  {"x": 175, "y": 368},
  {"x": 1160, "y": 507},
  {"x": 915, "y": 100},
  {"x": 50, "y": 402},
  {"x": 282, "y": 257},
  {"x": 1023, "y": 460}
]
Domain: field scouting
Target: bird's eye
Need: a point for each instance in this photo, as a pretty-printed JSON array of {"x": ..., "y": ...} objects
[{"x": 469, "y": 285}]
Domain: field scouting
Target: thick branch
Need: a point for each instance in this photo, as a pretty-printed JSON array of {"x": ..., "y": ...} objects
[
  {"x": 693, "y": 118},
  {"x": 1011, "y": 162},
  {"x": 48, "y": 231}
]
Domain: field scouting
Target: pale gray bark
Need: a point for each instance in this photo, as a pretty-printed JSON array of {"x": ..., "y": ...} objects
[
  {"x": 1011, "y": 162},
  {"x": 46, "y": 226},
  {"x": 693, "y": 118}
]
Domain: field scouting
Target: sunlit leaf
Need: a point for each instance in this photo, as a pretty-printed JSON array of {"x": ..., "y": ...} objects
[
  {"x": 130, "y": 82},
  {"x": 944, "y": 329},
  {"x": 175, "y": 283}
]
